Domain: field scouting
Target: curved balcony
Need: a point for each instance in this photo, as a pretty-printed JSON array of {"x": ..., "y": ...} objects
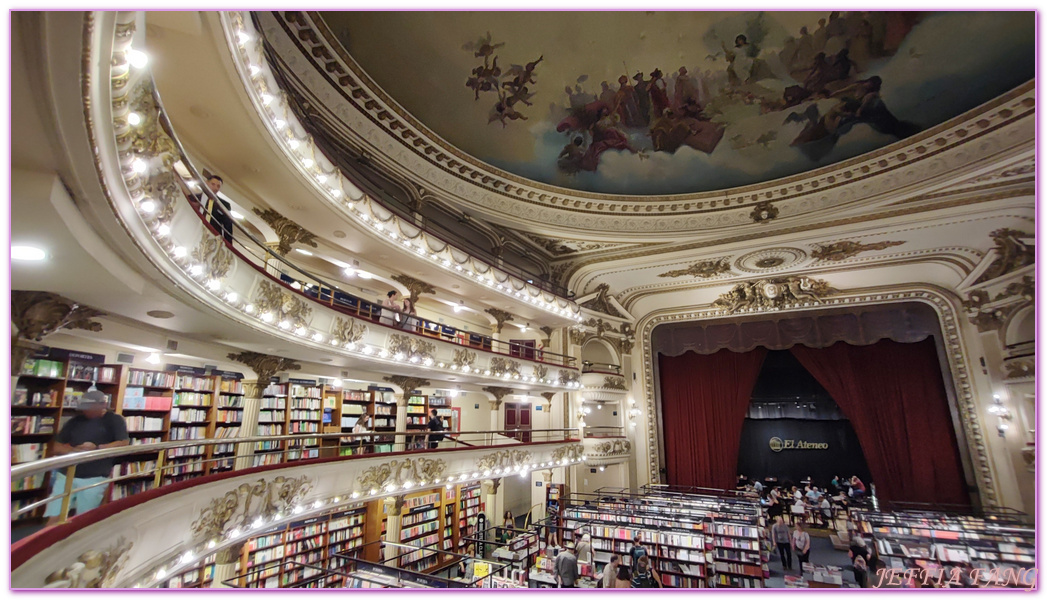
[
  {"x": 346, "y": 198},
  {"x": 246, "y": 281},
  {"x": 153, "y": 536}
]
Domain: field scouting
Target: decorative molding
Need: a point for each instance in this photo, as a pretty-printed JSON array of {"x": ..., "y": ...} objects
[
  {"x": 500, "y": 366},
  {"x": 289, "y": 232},
  {"x": 500, "y": 316},
  {"x": 162, "y": 187},
  {"x": 578, "y": 335},
  {"x": 774, "y": 294},
  {"x": 624, "y": 344},
  {"x": 348, "y": 331},
  {"x": 541, "y": 372},
  {"x": 602, "y": 302},
  {"x": 567, "y": 377},
  {"x": 240, "y": 507},
  {"x": 274, "y": 299},
  {"x": 768, "y": 260},
  {"x": 548, "y": 397},
  {"x": 412, "y": 471},
  {"x": 611, "y": 448},
  {"x": 703, "y": 270},
  {"x": 463, "y": 358},
  {"x": 559, "y": 247},
  {"x": 264, "y": 365},
  {"x": 506, "y": 460},
  {"x": 993, "y": 313},
  {"x": 843, "y": 250},
  {"x": 411, "y": 347},
  {"x": 614, "y": 383},
  {"x": 571, "y": 452},
  {"x": 149, "y": 137},
  {"x": 417, "y": 287},
  {"x": 956, "y": 356},
  {"x": 407, "y": 384},
  {"x": 213, "y": 252},
  {"x": 1029, "y": 456},
  {"x": 93, "y": 569},
  {"x": 1011, "y": 253},
  {"x": 498, "y": 392},
  {"x": 764, "y": 212},
  {"x": 1020, "y": 368}
]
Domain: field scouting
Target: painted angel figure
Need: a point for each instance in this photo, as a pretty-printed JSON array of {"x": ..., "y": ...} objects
[{"x": 482, "y": 47}]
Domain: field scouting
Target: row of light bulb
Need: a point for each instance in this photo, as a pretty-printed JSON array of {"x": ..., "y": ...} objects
[{"x": 305, "y": 158}]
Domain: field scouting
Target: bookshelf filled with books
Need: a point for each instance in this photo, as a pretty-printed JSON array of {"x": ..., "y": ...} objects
[
  {"x": 229, "y": 416},
  {"x": 469, "y": 506},
  {"x": 304, "y": 415},
  {"x": 355, "y": 405},
  {"x": 272, "y": 417}
]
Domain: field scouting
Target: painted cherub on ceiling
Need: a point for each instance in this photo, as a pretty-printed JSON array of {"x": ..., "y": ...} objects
[{"x": 511, "y": 87}]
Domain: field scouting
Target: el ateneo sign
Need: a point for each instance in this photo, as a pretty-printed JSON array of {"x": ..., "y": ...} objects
[{"x": 778, "y": 444}]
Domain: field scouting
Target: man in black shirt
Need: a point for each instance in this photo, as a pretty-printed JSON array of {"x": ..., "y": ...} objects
[
  {"x": 220, "y": 217},
  {"x": 94, "y": 428},
  {"x": 435, "y": 424}
]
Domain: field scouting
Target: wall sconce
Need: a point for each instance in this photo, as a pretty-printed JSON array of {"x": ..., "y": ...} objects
[{"x": 1000, "y": 411}]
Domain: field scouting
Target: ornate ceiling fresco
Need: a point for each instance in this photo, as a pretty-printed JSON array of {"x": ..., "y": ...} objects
[{"x": 678, "y": 102}]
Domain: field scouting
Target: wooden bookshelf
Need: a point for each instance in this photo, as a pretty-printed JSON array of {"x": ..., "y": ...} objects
[
  {"x": 272, "y": 419},
  {"x": 304, "y": 415},
  {"x": 228, "y": 418}
]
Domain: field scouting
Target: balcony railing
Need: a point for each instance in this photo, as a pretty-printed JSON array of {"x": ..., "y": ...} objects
[
  {"x": 288, "y": 449},
  {"x": 314, "y": 288},
  {"x": 598, "y": 367}
]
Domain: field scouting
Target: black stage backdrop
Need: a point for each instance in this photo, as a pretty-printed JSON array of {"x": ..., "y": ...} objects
[{"x": 843, "y": 456}]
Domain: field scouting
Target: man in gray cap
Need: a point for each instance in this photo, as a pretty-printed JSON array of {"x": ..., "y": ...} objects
[{"x": 94, "y": 428}]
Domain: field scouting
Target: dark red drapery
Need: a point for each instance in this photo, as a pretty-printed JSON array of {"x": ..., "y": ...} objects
[
  {"x": 894, "y": 397},
  {"x": 704, "y": 402}
]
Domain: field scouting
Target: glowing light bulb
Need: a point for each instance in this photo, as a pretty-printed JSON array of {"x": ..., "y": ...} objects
[
  {"x": 179, "y": 252},
  {"x": 163, "y": 230},
  {"x": 134, "y": 119},
  {"x": 137, "y": 58}
]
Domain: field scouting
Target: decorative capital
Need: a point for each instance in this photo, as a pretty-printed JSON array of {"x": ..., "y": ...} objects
[
  {"x": 264, "y": 365},
  {"x": 407, "y": 384},
  {"x": 491, "y": 485},
  {"x": 703, "y": 270},
  {"x": 837, "y": 251},
  {"x": 498, "y": 392},
  {"x": 416, "y": 287},
  {"x": 39, "y": 314},
  {"x": 500, "y": 316},
  {"x": 548, "y": 396},
  {"x": 774, "y": 294},
  {"x": 289, "y": 232},
  {"x": 764, "y": 212},
  {"x": 548, "y": 331}
]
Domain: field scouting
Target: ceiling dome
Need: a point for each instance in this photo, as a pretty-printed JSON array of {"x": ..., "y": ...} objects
[{"x": 646, "y": 103}]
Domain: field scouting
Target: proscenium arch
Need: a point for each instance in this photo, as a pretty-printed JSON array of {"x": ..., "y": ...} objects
[{"x": 952, "y": 351}]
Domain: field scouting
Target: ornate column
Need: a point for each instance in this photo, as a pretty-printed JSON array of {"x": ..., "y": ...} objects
[
  {"x": 265, "y": 366},
  {"x": 225, "y": 565},
  {"x": 496, "y": 403},
  {"x": 406, "y": 385},
  {"x": 394, "y": 505},
  {"x": 500, "y": 317},
  {"x": 491, "y": 506}
]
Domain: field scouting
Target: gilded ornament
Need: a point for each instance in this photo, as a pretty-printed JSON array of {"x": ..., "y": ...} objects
[
  {"x": 287, "y": 230},
  {"x": 1020, "y": 368},
  {"x": 417, "y": 471},
  {"x": 506, "y": 460},
  {"x": 463, "y": 358},
  {"x": 274, "y": 299},
  {"x": 548, "y": 331},
  {"x": 411, "y": 346},
  {"x": 541, "y": 372},
  {"x": 614, "y": 383},
  {"x": 498, "y": 392},
  {"x": 407, "y": 384},
  {"x": 837, "y": 251},
  {"x": 416, "y": 287},
  {"x": 264, "y": 365},
  {"x": 602, "y": 302},
  {"x": 213, "y": 252},
  {"x": 37, "y": 315},
  {"x": 703, "y": 270},
  {"x": 764, "y": 212},
  {"x": 500, "y": 317},
  {"x": 611, "y": 448},
  {"x": 500, "y": 366},
  {"x": 148, "y": 138},
  {"x": 774, "y": 293},
  {"x": 93, "y": 569},
  {"x": 571, "y": 453},
  {"x": 240, "y": 507},
  {"x": 1012, "y": 253},
  {"x": 348, "y": 331}
]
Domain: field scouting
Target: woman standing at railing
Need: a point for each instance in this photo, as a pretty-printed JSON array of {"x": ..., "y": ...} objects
[
  {"x": 389, "y": 309},
  {"x": 410, "y": 322},
  {"x": 363, "y": 425}
]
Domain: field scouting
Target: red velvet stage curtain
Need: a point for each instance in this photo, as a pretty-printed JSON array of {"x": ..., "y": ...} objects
[
  {"x": 894, "y": 397},
  {"x": 704, "y": 402}
]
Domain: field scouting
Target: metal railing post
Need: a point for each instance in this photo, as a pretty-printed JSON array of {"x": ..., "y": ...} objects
[
  {"x": 158, "y": 478},
  {"x": 67, "y": 496}
]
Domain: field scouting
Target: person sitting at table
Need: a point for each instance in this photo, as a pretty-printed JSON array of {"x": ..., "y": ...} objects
[
  {"x": 813, "y": 494},
  {"x": 826, "y": 510},
  {"x": 798, "y": 509},
  {"x": 858, "y": 487}
]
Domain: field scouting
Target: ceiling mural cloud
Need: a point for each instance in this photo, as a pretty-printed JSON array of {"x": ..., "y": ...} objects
[{"x": 664, "y": 103}]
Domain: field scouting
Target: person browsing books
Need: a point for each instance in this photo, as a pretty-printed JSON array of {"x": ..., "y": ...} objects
[
  {"x": 566, "y": 567},
  {"x": 436, "y": 426},
  {"x": 637, "y": 550},
  {"x": 95, "y": 427}
]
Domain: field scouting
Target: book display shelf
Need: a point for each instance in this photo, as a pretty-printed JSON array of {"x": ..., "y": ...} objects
[
  {"x": 305, "y": 415},
  {"x": 469, "y": 507},
  {"x": 229, "y": 416},
  {"x": 356, "y": 405},
  {"x": 695, "y": 541},
  {"x": 420, "y": 526},
  {"x": 938, "y": 543},
  {"x": 384, "y": 419},
  {"x": 417, "y": 419},
  {"x": 191, "y": 419},
  {"x": 272, "y": 415}
]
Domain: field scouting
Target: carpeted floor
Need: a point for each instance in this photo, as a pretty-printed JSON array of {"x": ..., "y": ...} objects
[{"x": 822, "y": 553}]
